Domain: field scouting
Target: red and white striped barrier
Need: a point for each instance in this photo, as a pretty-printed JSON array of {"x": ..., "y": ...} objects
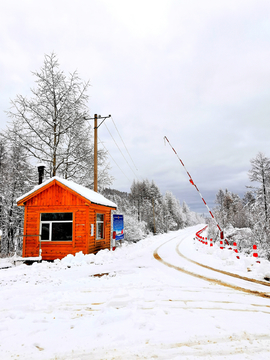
[
  {"x": 199, "y": 237},
  {"x": 192, "y": 183}
]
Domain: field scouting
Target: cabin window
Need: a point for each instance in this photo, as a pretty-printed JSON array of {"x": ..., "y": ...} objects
[
  {"x": 100, "y": 226},
  {"x": 56, "y": 226}
]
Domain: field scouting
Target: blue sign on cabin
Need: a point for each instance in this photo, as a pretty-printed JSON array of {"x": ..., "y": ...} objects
[{"x": 118, "y": 227}]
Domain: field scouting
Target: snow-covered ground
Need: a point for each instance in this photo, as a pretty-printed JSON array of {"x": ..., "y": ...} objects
[{"x": 142, "y": 301}]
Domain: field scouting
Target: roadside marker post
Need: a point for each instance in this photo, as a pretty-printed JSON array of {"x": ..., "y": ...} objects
[
  {"x": 255, "y": 254},
  {"x": 236, "y": 250}
]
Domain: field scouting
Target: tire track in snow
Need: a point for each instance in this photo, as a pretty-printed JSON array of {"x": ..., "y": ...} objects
[
  {"x": 204, "y": 348},
  {"x": 183, "y": 304},
  {"x": 203, "y": 277},
  {"x": 222, "y": 271}
]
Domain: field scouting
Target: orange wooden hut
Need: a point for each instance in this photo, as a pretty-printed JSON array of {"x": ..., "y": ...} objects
[{"x": 62, "y": 217}]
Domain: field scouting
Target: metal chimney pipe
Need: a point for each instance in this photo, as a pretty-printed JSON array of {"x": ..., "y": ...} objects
[{"x": 41, "y": 168}]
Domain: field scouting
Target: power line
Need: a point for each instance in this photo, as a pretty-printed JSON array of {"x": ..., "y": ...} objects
[
  {"x": 120, "y": 151},
  {"x": 124, "y": 145},
  {"x": 113, "y": 159}
]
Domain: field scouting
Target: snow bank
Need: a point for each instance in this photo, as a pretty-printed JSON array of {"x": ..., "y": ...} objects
[{"x": 227, "y": 259}]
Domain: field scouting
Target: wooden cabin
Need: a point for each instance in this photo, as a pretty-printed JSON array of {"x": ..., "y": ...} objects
[{"x": 62, "y": 217}]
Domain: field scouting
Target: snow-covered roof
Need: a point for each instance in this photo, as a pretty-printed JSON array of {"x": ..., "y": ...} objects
[{"x": 87, "y": 193}]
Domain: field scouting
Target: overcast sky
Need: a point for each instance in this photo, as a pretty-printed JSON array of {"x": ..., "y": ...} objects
[{"x": 195, "y": 71}]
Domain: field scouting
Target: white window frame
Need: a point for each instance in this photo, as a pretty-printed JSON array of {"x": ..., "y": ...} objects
[
  {"x": 50, "y": 222},
  {"x": 103, "y": 228}
]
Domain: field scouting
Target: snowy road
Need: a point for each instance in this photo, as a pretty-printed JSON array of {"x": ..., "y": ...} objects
[
  {"x": 129, "y": 305},
  {"x": 203, "y": 271},
  {"x": 236, "y": 303}
]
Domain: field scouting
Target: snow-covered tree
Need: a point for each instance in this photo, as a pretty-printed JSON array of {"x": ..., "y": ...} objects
[
  {"x": 147, "y": 199},
  {"x": 175, "y": 219},
  {"x": 51, "y": 125},
  {"x": 134, "y": 230},
  {"x": 186, "y": 213},
  {"x": 260, "y": 173},
  {"x": 15, "y": 179},
  {"x": 230, "y": 210},
  {"x": 146, "y": 209}
]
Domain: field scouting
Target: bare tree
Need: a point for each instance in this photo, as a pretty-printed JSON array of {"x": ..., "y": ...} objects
[{"x": 51, "y": 126}]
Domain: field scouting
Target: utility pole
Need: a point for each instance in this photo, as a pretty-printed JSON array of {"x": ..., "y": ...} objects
[
  {"x": 96, "y": 126},
  {"x": 95, "y": 154}
]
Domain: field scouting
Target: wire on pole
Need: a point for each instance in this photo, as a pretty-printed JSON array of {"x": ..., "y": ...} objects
[
  {"x": 120, "y": 151},
  {"x": 124, "y": 145}
]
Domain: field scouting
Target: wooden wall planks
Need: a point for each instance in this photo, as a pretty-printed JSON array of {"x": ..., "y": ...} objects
[{"x": 58, "y": 198}]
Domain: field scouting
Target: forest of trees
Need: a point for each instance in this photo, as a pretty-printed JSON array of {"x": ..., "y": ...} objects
[
  {"x": 50, "y": 127},
  {"x": 247, "y": 219},
  {"x": 146, "y": 211}
]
